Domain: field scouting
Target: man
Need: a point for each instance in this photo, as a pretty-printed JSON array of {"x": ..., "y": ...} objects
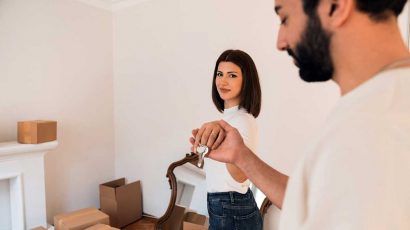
[{"x": 356, "y": 174}]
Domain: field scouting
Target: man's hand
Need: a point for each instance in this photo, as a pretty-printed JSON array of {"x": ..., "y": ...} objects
[
  {"x": 234, "y": 151},
  {"x": 230, "y": 150}
]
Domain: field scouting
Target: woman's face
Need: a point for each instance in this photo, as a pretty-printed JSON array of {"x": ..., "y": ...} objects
[{"x": 228, "y": 81}]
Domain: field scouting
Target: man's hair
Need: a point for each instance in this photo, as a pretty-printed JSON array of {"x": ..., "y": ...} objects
[
  {"x": 378, "y": 10},
  {"x": 250, "y": 96}
]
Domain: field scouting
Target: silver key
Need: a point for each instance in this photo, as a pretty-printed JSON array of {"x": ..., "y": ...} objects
[{"x": 202, "y": 150}]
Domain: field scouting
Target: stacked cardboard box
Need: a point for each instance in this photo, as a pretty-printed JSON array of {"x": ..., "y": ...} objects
[
  {"x": 81, "y": 219},
  {"x": 39, "y": 228},
  {"x": 101, "y": 227},
  {"x": 121, "y": 205}
]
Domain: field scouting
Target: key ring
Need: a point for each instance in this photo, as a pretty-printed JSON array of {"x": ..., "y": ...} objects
[{"x": 202, "y": 150}]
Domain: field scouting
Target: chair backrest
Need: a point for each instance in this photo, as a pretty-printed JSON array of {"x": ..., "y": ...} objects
[
  {"x": 265, "y": 206},
  {"x": 189, "y": 158}
]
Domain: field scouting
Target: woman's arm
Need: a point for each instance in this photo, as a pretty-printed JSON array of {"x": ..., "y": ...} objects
[{"x": 233, "y": 150}]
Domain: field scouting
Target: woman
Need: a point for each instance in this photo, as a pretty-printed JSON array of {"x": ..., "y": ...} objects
[{"x": 236, "y": 93}]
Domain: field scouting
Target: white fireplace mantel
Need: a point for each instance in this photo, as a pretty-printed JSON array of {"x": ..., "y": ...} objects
[{"x": 23, "y": 166}]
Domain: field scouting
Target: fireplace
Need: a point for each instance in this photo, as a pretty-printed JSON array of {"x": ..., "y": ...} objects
[
  {"x": 22, "y": 187},
  {"x": 191, "y": 188}
]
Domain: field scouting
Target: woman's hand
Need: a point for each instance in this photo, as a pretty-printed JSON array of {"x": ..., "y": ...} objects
[
  {"x": 226, "y": 144},
  {"x": 210, "y": 134}
]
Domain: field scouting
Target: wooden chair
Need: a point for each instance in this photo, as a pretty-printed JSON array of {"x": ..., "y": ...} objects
[
  {"x": 265, "y": 206},
  {"x": 152, "y": 223},
  {"x": 191, "y": 158}
]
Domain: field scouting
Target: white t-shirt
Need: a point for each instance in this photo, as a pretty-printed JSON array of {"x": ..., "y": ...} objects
[
  {"x": 218, "y": 178},
  {"x": 356, "y": 176}
]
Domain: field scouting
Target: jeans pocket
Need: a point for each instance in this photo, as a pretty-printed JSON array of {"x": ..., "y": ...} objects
[
  {"x": 217, "y": 222},
  {"x": 252, "y": 221},
  {"x": 241, "y": 209},
  {"x": 215, "y": 208}
]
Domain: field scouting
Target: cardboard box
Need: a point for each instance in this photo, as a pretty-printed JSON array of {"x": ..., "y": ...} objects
[
  {"x": 194, "y": 221},
  {"x": 174, "y": 222},
  {"x": 184, "y": 219},
  {"x": 39, "y": 228},
  {"x": 122, "y": 202},
  {"x": 36, "y": 132},
  {"x": 192, "y": 226},
  {"x": 101, "y": 227},
  {"x": 195, "y": 218},
  {"x": 81, "y": 219}
]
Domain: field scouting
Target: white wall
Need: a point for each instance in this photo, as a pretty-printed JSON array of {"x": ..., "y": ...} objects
[
  {"x": 56, "y": 63},
  {"x": 164, "y": 55}
]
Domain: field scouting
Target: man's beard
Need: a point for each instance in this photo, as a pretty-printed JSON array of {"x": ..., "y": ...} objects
[{"x": 312, "y": 54}]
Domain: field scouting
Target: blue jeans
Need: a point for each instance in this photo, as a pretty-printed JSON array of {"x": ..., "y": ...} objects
[{"x": 233, "y": 211}]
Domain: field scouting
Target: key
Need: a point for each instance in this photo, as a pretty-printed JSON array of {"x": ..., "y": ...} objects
[{"x": 202, "y": 150}]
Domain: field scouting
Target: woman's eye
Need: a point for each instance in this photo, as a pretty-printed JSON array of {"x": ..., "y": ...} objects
[
  {"x": 232, "y": 76},
  {"x": 219, "y": 74}
]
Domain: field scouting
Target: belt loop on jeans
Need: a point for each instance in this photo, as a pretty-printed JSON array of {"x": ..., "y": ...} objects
[{"x": 232, "y": 198}]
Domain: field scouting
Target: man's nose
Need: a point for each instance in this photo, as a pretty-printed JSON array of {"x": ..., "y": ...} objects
[{"x": 281, "y": 43}]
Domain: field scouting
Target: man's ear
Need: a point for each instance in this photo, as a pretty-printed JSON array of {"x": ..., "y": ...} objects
[
  {"x": 340, "y": 10},
  {"x": 333, "y": 7}
]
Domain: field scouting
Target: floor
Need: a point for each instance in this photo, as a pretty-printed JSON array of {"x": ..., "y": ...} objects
[{"x": 145, "y": 223}]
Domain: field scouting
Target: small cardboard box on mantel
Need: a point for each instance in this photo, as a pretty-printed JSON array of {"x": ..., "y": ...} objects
[{"x": 36, "y": 132}]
